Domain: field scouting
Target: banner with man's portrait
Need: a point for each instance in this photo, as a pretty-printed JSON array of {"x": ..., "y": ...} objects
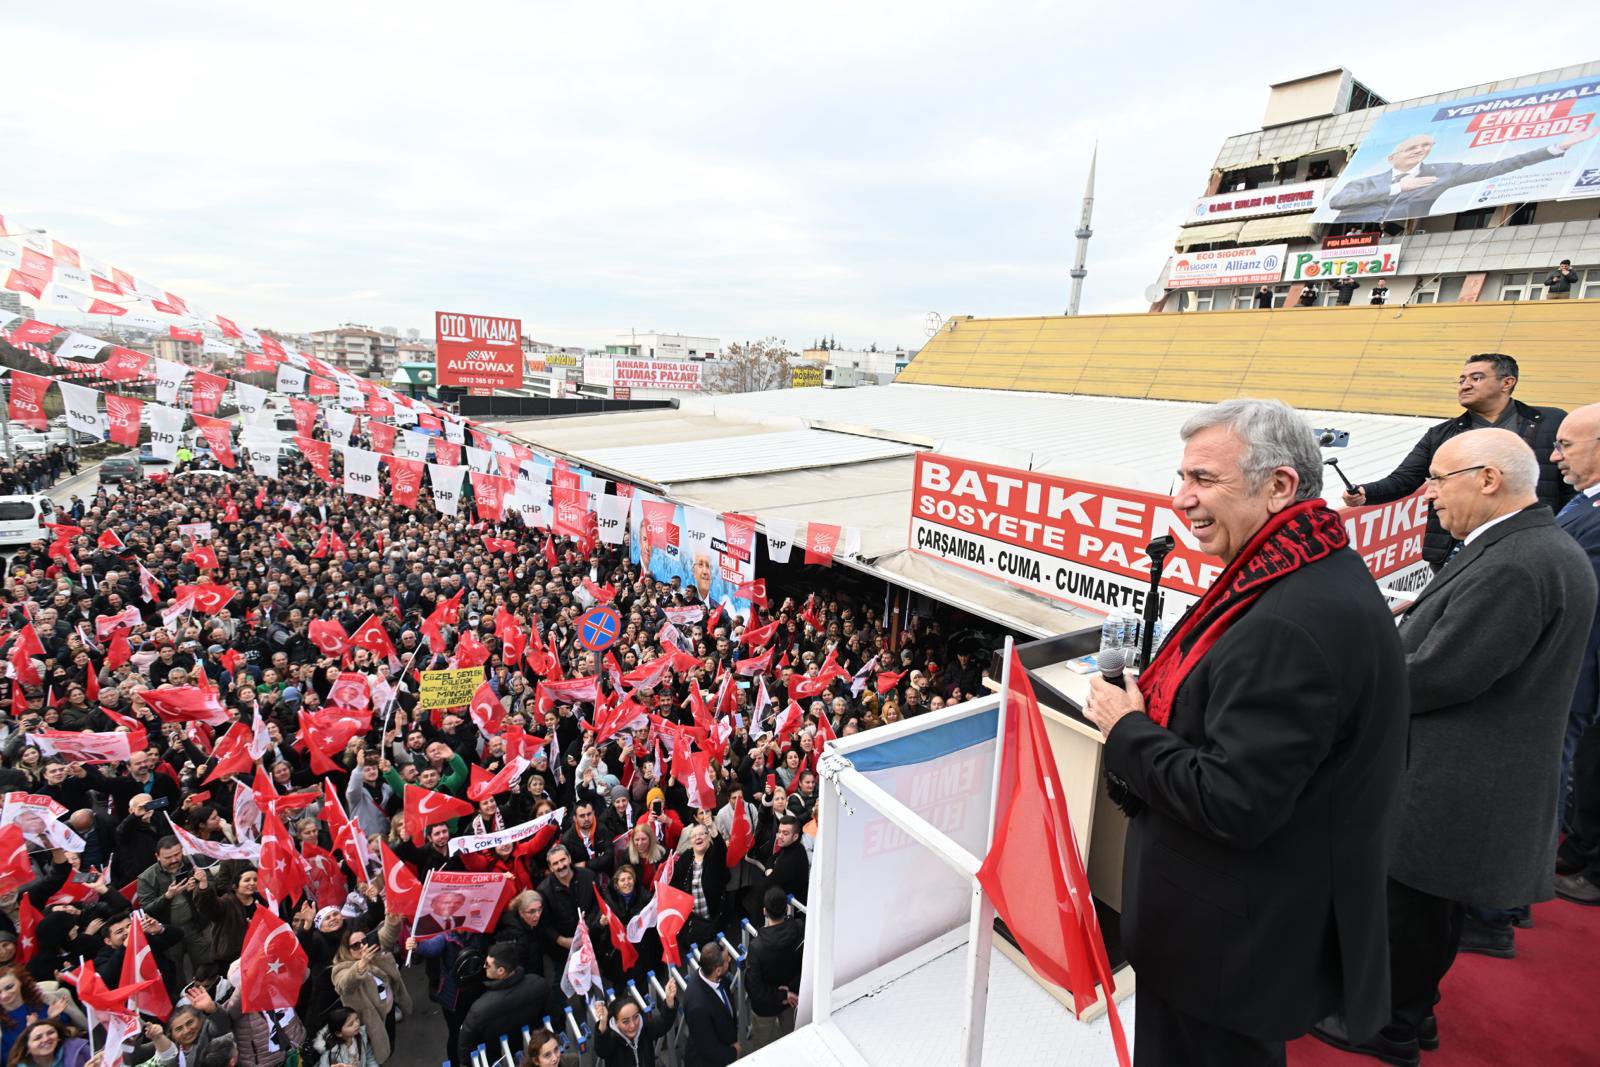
[{"x": 1509, "y": 147}]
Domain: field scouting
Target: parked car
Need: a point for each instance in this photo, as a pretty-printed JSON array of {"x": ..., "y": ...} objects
[
  {"x": 22, "y": 518},
  {"x": 121, "y": 468}
]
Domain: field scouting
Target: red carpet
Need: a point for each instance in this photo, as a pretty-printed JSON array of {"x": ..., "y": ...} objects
[{"x": 1536, "y": 1009}]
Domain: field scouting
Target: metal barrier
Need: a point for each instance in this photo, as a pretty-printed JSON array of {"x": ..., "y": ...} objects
[{"x": 577, "y": 1035}]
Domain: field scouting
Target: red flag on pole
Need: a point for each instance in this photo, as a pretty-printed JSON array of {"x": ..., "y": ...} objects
[
  {"x": 401, "y": 890},
  {"x": 273, "y": 966},
  {"x": 1035, "y": 857},
  {"x": 619, "y": 933},
  {"x": 139, "y": 968},
  {"x": 740, "y": 835},
  {"x": 426, "y": 807}
]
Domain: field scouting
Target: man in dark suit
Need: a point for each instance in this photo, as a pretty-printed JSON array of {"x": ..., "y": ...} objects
[
  {"x": 1484, "y": 390},
  {"x": 1577, "y": 452},
  {"x": 709, "y": 1013},
  {"x": 1408, "y": 187},
  {"x": 1260, "y": 758},
  {"x": 1492, "y": 649}
]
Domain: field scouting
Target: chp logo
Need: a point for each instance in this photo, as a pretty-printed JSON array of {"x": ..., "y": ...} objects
[
  {"x": 407, "y": 480},
  {"x": 570, "y": 513}
]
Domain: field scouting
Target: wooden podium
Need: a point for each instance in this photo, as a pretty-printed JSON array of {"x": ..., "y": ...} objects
[{"x": 1097, "y": 823}]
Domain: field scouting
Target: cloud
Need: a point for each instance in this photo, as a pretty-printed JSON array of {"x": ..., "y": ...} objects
[{"x": 723, "y": 169}]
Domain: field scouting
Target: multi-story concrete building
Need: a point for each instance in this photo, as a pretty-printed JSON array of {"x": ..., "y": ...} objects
[
  {"x": 357, "y": 349},
  {"x": 1293, "y": 202},
  {"x": 653, "y": 345}
]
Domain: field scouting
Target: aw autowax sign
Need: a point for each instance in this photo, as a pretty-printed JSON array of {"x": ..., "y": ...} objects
[
  {"x": 1069, "y": 540},
  {"x": 478, "y": 351},
  {"x": 1322, "y": 263},
  {"x": 1256, "y": 265}
]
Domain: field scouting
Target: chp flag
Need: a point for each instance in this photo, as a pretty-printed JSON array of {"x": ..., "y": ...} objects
[{"x": 478, "y": 351}]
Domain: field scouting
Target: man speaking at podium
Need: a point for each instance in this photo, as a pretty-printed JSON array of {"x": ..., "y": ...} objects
[{"x": 1260, "y": 755}]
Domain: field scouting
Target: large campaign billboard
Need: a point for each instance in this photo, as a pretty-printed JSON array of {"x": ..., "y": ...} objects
[
  {"x": 1508, "y": 147},
  {"x": 478, "y": 351},
  {"x": 1084, "y": 543}
]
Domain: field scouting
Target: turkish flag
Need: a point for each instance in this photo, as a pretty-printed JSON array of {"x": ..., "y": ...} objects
[
  {"x": 16, "y": 870},
  {"x": 347, "y": 835},
  {"x": 759, "y": 635},
  {"x": 273, "y": 966},
  {"x": 499, "y": 544},
  {"x": 28, "y": 918},
  {"x": 824, "y": 733},
  {"x": 122, "y": 419},
  {"x": 371, "y": 636},
  {"x": 139, "y": 968},
  {"x": 209, "y": 597},
  {"x": 755, "y": 665},
  {"x": 754, "y": 590},
  {"x": 673, "y": 908},
  {"x": 283, "y": 872},
  {"x": 485, "y": 784},
  {"x": 486, "y": 709},
  {"x": 470, "y": 651},
  {"x": 94, "y": 993},
  {"x": 619, "y": 933},
  {"x": 550, "y": 556},
  {"x": 426, "y": 807},
  {"x": 328, "y": 636},
  {"x": 232, "y": 754},
  {"x": 187, "y": 703},
  {"x": 790, "y": 721},
  {"x": 1035, "y": 858},
  {"x": 118, "y": 652},
  {"x": 203, "y": 557},
  {"x": 401, "y": 890},
  {"x": 740, "y": 835},
  {"x": 887, "y": 680},
  {"x": 109, "y": 541},
  {"x": 318, "y": 745}
]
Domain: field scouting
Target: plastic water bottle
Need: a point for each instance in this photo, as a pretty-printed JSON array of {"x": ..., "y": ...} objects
[{"x": 1111, "y": 631}]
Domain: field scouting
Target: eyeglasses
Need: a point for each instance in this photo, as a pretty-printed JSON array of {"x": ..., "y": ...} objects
[
  {"x": 1435, "y": 479},
  {"x": 1561, "y": 446}
]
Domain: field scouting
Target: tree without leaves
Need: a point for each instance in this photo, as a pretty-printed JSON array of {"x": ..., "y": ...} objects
[{"x": 750, "y": 367}]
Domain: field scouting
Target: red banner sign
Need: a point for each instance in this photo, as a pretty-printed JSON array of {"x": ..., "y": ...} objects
[{"x": 478, "y": 351}]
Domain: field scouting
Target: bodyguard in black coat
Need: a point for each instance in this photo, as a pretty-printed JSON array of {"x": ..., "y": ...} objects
[
  {"x": 1485, "y": 389},
  {"x": 1254, "y": 872},
  {"x": 711, "y": 1018}
]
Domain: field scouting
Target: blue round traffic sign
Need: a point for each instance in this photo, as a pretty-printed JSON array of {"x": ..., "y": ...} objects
[{"x": 598, "y": 629}]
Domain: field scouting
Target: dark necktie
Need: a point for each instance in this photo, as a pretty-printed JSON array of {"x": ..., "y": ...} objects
[{"x": 1573, "y": 504}]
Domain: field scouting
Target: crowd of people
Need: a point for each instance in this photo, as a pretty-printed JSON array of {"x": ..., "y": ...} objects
[
  {"x": 34, "y": 472},
  {"x": 104, "y": 633}
]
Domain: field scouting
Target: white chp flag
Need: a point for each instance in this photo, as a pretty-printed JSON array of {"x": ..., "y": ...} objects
[
  {"x": 582, "y": 972},
  {"x": 780, "y": 537},
  {"x": 361, "y": 472},
  {"x": 350, "y": 395},
  {"x": 416, "y": 443},
  {"x": 611, "y": 515},
  {"x": 249, "y": 398},
  {"x": 532, "y": 499},
  {"x": 264, "y": 464},
  {"x": 83, "y": 409},
  {"x": 446, "y": 487},
  {"x": 340, "y": 425},
  {"x": 291, "y": 379},
  {"x": 480, "y": 460},
  {"x": 80, "y": 346},
  {"x": 169, "y": 376},
  {"x": 454, "y": 432},
  {"x": 166, "y": 427}
]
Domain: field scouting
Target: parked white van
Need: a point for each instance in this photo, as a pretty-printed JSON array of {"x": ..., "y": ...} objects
[{"x": 22, "y": 518}]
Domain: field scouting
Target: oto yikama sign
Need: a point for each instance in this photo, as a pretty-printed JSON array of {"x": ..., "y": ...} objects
[
  {"x": 449, "y": 688},
  {"x": 478, "y": 351},
  {"x": 1084, "y": 543}
]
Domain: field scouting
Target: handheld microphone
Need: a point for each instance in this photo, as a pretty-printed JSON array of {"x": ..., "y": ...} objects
[{"x": 1111, "y": 661}]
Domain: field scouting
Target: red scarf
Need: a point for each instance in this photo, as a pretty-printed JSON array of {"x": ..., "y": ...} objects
[{"x": 1298, "y": 535}]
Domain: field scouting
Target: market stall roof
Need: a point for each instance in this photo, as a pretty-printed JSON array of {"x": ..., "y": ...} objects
[{"x": 741, "y": 452}]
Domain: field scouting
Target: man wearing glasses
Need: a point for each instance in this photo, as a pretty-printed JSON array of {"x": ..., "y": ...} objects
[
  {"x": 1493, "y": 645},
  {"x": 1484, "y": 390}
]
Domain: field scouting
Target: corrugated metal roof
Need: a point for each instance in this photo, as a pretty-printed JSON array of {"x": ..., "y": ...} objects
[
  {"x": 730, "y": 456},
  {"x": 1132, "y": 443}
]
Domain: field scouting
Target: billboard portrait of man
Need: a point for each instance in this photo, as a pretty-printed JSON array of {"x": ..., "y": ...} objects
[
  {"x": 1514, "y": 146},
  {"x": 449, "y": 911}
]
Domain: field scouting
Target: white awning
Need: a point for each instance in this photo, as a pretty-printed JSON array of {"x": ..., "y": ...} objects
[
  {"x": 1278, "y": 228},
  {"x": 1211, "y": 233}
]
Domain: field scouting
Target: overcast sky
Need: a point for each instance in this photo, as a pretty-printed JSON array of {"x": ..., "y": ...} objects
[{"x": 717, "y": 169}]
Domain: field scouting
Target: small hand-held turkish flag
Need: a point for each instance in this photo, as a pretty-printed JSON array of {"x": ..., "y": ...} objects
[
  {"x": 619, "y": 933},
  {"x": 272, "y": 967},
  {"x": 673, "y": 908},
  {"x": 139, "y": 967},
  {"x": 27, "y": 928},
  {"x": 328, "y": 636},
  {"x": 427, "y": 807},
  {"x": 740, "y": 836},
  {"x": 1035, "y": 858},
  {"x": 401, "y": 890},
  {"x": 282, "y": 871}
]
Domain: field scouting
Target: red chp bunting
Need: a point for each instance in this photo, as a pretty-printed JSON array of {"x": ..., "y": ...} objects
[
  {"x": 822, "y": 540},
  {"x": 122, "y": 418},
  {"x": 27, "y": 400},
  {"x": 219, "y": 435},
  {"x": 405, "y": 480}
]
